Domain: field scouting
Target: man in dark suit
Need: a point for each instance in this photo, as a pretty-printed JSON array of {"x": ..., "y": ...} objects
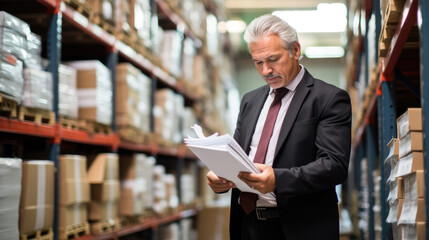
[{"x": 301, "y": 145}]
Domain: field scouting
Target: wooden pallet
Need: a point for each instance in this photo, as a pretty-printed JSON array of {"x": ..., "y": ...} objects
[
  {"x": 131, "y": 220},
  {"x": 36, "y": 115},
  {"x": 42, "y": 234},
  {"x": 8, "y": 106},
  {"x": 94, "y": 127},
  {"x": 104, "y": 24},
  {"x": 129, "y": 38},
  {"x": 105, "y": 226},
  {"x": 74, "y": 231},
  {"x": 81, "y": 7},
  {"x": 69, "y": 122},
  {"x": 393, "y": 11},
  {"x": 131, "y": 133}
]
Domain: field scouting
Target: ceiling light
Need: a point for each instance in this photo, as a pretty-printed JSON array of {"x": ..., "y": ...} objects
[
  {"x": 329, "y": 17},
  {"x": 324, "y": 52}
]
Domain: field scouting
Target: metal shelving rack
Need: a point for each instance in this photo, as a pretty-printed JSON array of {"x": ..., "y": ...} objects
[
  {"x": 382, "y": 110},
  {"x": 59, "y": 14}
]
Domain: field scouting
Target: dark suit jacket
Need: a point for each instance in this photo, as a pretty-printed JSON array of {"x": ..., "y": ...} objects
[{"x": 312, "y": 156}]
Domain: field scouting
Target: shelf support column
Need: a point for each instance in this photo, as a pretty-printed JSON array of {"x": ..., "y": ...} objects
[
  {"x": 371, "y": 154},
  {"x": 54, "y": 57},
  {"x": 387, "y": 128},
  {"x": 422, "y": 13}
]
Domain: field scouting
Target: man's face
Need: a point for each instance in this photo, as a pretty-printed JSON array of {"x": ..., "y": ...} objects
[{"x": 276, "y": 65}]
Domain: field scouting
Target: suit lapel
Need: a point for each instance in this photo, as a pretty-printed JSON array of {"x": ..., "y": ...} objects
[
  {"x": 301, "y": 92},
  {"x": 258, "y": 102}
]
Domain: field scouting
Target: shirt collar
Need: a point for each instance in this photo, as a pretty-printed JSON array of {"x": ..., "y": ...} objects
[{"x": 294, "y": 83}]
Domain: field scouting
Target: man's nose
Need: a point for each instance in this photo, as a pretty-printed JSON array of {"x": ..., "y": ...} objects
[{"x": 266, "y": 69}]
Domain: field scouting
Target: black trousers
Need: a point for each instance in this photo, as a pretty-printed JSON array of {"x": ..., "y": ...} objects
[{"x": 254, "y": 229}]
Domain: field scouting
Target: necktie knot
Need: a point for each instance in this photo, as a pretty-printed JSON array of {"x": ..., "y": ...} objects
[{"x": 280, "y": 93}]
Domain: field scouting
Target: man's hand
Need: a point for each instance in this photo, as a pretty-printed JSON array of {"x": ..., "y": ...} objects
[
  {"x": 219, "y": 184},
  {"x": 264, "y": 182}
]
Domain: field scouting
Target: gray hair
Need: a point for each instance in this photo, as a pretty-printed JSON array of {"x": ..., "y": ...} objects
[{"x": 270, "y": 24}]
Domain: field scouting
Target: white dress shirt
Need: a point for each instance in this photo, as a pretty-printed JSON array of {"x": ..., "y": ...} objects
[{"x": 286, "y": 100}]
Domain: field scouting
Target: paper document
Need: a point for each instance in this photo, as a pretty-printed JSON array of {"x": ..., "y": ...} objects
[{"x": 224, "y": 156}]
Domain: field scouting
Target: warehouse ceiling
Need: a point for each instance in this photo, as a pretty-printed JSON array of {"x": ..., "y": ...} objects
[{"x": 311, "y": 32}]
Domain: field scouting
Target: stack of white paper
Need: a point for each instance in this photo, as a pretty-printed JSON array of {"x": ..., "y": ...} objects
[{"x": 224, "y": 157}]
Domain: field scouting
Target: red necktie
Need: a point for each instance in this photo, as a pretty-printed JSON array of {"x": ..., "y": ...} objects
[{"x": 248, "y": 200}]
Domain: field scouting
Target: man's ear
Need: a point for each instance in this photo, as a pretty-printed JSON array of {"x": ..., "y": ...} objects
[{"x": 296, "y": 50}]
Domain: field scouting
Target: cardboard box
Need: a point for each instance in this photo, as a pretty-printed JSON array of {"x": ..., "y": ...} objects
[
  {"x": 72, "y": 215},
  {"x": 213, "y": 223},
  {"x": 104, "y": 166},
  {"x": 413, "y": 211},
  {"x": 72, "y": 192},
  {"x": 133, "y": 184},
  {"x": 395, "y": 209},
  {"x": 37, "y": 196},
  {"x": 74, "y": 185},
  {"x": 94, "y": 85},
  {"x": 102, "y": 210},
  {"x": 414, "y": 185},
  {"x": 106, "y": 191},
  {"x": 410, "y": 121},
  {"x": 410, "y": 163},
  {"x": 412, "y": 142},
  {"x": 413, "y": 231},
  {"x": 131, "y": 204}
]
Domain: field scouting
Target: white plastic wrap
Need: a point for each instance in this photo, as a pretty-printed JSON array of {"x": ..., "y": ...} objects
[
  {"x": 37, "y": 91},
  {"x": 171, "y": 51},
  {"x": 34, "y": 51},
  {"x": 13, "y": 32},
  {"x": 144, "y": 102},
  {"x": 10, "y": 193},
  {"x": 188, "y": 56},
  {"x": 11, "y": 81},
  {"x": 68, "y": 100}
]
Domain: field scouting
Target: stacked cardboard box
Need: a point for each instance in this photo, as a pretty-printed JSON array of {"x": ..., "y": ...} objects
[
  {"x": 37, "y": 91},
  {"x": 171, "y": 191},
  {"x": 189, "y": 52},
  {"x": 133, "y": 184},
  {"x": 169, "y": 232},
  {"x": 13, "y": 45},
  {"x": 143, "y": 21},
  {"x": 411, "y": 169},
  {"x": 74, "y": 192},
  {"x": 160, "y": 204},
  {"x": 67, "y": 87},
  {"x": 148, "y": 174},
  {"x": 168, "y": 113},
  {"x": 213, "y": 223},
  {"x": 188, "y": 189},
  {"x": 195, "y": 13},
  {"x": 10, "y": 191},
  {"x": 395, "y": 198},
  {"x": 104, "y": 181},
  {"x": 132, "y": 97},
  {"x": 37, "y": 197},
  {"x": 189, "y": 119},
  {"x": 104, "y": 9},
  {"x": 171, "y": 51},
  {"x": 94, "y": 91}
]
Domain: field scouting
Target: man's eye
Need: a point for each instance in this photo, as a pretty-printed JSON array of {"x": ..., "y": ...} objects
[
  {"x": 273, "y": 60},
  {"x": 258, "y": 63}
]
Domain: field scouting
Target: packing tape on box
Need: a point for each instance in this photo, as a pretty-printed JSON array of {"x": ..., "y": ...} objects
[
  {"x": 87, "y": 97},
  {"x": 110, "y": 206},
  {"x": 77, "y": 177},
  {"x": 110, "y": 168},
  {"x": 41, "y": 193},
  {"x": 76, "y": 219}
]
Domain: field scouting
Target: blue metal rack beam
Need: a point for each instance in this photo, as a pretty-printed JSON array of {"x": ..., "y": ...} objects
[
  {"x": 54, "y": 56},
  {"x": 423, "y": 11},
  {"x": 371, "y": 154}
]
